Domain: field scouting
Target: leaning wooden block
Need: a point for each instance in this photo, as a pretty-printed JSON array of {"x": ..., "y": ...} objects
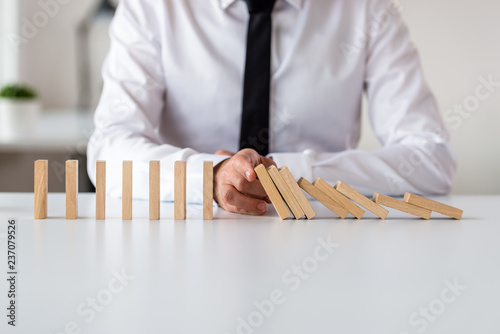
[
  {"x": 359, "y": 198},
  {"x": 323, "y": 198},
  {"x": 297, "y": 192},
  {"x": 285, "y": 191},
  {"x": 433, "y": 206},
  {"x": 339, "y": 198},
  {"x": 41, "y": 188},
  {"x": 271, "y": 191},
  {"x": 100, "y": 190},
  {"x": 180, "y": 190},
  {"x": 127, "y": 190},
  {"x": 71, "y": 189},
  {"x": 401, "y": 206},
  {"x": 154, "y": 190},
  {"x": 208, "y": 190}
]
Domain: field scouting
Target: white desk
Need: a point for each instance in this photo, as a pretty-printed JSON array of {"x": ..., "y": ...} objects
[{"x": 199, "y": 277}]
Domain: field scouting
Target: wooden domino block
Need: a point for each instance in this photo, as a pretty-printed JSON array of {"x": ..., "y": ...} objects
[
  {"x": 41, "y": 188},
  {"x": 154, "y": 190},
  {"x": 100, "y": 190},
  {"x": 127, "y": 190},
  {"x": 285, "y": 192},
  {"x": 433, "y": 206},
  {"x": 272, "y": 192},
  {"x": 180, "y": 190},
  {"x": 208, "y": 190},
  {"x": 71, "y": 189},
  {"x": 339, "y": 198},
  {"x": 297, "y": 192},
  {"x": 362, "y": 200},
  {"x": 401, "y": 206},
  {"x": 322, "y": 198}
]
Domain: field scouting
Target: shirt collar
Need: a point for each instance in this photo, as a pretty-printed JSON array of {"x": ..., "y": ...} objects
[{"x": 226, "y": 3}]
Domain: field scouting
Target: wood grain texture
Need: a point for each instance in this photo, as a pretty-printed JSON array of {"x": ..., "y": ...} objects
[
  {"x": 100, "y": 190},
  {"x": 41, "y": 187},
  {"x": 272, "y": 192},
  {"x": 154, "y": 190},
  {"x": 355, "y": 210},
  {"x": 433, "y": 206},
  {"x": 362, "y": 200},
  {"x": 127, "y": 175},
  {"x": 323, "y": 198},
  {"x": 402, "y": 206},
  {"x": 71, "y": 189},
  {"x": 180, "y": 190},
  {"x": 297, "y": 192},
  {"x": 208, "y": 190},
  {"x": 285, "y": 192}
]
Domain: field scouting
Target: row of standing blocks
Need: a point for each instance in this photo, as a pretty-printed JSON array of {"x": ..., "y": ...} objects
[
  {"x": 284, "y": 191},
  {"x": 41, "y": 190}
]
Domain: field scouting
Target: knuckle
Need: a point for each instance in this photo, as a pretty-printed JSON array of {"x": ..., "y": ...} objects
[{"x": 228, "y": 196}]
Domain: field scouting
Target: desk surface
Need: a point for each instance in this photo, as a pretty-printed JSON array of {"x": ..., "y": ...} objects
[{"x": 240, "y": 274}]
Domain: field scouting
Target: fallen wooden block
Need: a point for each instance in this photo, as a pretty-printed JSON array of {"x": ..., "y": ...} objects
[
  {"x": 362, "y": 200},
  {"x": 180, "y": 190},
  {"x": 127, "y": 190},
  {"x": 399, "y": 205},
  {"x": 41, "y": 188},
  {"x": 100, "y": 190},
  {"x": 154, "y": 190},
  {"x": 323, "y": 198},
  {"x": 208, "y": 190},
  {"x": 339, "y": 198},
  {"x": 271, "y": 191},
  {"x": 433, "y": 206},
  {"x": 71, "y": 189},
  {"x": 285, "y": 191},
  {"x": 297, "y": 192}
]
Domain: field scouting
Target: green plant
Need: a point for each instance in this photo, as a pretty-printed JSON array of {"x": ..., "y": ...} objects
[{"x": 17, "y": 92}]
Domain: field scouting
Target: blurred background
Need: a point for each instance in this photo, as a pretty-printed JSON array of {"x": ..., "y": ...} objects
[{"x": 57, "y": 47}]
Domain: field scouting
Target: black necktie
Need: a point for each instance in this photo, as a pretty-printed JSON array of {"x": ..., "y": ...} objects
[{"x": 255, "y": 112}]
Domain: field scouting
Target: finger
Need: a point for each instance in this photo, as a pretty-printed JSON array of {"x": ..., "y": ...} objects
[
  {"x": 224, "y": 152},
  {"x": 244, "y": 163},
  {"x": 268, "y": 162},
  {"x": 243, "y": 203},
  {"x": 254, "y": 188}
]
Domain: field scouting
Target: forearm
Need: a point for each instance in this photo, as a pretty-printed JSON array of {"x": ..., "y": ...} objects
[{"x": 426, "y": 167}]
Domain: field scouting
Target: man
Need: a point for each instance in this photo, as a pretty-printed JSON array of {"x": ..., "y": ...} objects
[{"x": 274, "y": 82}]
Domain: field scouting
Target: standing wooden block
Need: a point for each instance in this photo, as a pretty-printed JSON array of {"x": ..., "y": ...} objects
[
  {"x": 297, "y": 192},
  {"x": 272, "y": 192},
  {"x": 100, "y": 190},
  {"x": 71, "y": 189},
  {"x": 433, "y": 206},
  {"x": 180, "y": 190},
  {"x": 362, "y": 200},
  {"x": 208, "y": 190},
  {"x": 154, "y": 190},
  {"x": 323, "y": 198},
  {"x": 339, "y": 198},
  {"x": 401, "y": 206},
  {"x": 127, "y": 190},
  {"x": 285, "y": 191},
  {"x": 41, "y": 187}
]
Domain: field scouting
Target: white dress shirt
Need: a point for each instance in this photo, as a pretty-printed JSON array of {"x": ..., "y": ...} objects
[{"x": 173, "y": 84}]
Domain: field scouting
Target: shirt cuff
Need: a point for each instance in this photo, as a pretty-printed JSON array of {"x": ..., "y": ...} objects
[{"x": 194, "y": 174}]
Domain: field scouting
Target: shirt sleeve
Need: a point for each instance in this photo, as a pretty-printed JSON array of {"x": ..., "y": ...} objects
[
  {"x": 129, "y": 112},
  {"x": 416, "y": 156}
]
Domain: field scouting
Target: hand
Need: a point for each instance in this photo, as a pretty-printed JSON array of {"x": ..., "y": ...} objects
[{"x": 236, "y": 188}]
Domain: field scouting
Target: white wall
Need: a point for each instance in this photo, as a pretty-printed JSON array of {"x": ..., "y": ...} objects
[{"x": 459, "y": 41}]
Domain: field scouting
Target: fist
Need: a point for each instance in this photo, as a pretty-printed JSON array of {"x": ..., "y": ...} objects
[{"x": 236, "y": 188}]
